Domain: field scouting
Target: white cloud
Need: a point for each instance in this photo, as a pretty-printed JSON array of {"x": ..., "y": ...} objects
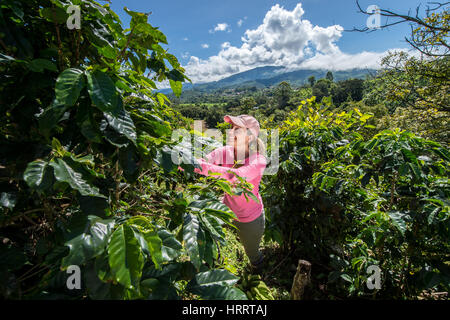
[
  {"x": 185, "y": 55},
  {"x": 220, "y": 27},
  {"x": 205, "y": 45},
  {"x": 185, "y": 38},
  {"x": 241, "y": 21},
  {"x": 283, "y": 39},
  {"x": 339, "y": 61}
]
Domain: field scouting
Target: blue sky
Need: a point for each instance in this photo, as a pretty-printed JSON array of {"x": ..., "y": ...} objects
[{"x": 295, "y": 34}]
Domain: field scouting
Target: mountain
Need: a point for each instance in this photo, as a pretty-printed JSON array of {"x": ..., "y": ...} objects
[{"x": 268, "y": 76}]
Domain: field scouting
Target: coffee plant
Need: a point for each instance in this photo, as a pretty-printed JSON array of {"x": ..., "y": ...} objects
[
  {"x": 86, "y": 175},
  {"x": 350, "y": 199}
]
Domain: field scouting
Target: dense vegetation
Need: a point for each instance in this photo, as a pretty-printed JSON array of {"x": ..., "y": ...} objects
[
  {"x": 86, "y": 172},
  {"x": 87, "y": 178}
]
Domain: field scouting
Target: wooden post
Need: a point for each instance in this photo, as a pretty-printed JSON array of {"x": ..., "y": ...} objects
[{"x": 301, "y": 279}]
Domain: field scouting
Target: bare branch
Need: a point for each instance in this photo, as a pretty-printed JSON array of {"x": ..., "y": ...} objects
[
  {"x": 405, "y": 18},
  {"x": 439, "y": 5}
]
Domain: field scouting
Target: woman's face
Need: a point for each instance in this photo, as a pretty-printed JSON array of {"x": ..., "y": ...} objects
[{"x": 240, "y": 140}]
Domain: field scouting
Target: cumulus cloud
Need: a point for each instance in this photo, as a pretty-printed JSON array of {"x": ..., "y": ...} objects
[
  {"x": 220, "y": 27},
  {"x": 241, "y": 21},
  {"x": 205, "y": 45},
  {"x": 283, "y": 39}
]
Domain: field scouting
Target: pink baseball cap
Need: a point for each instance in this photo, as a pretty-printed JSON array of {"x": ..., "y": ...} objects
[{"x": 245, "y": 121}]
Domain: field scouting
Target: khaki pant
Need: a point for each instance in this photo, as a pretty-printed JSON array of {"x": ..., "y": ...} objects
[{"x": 250, "y": 234}]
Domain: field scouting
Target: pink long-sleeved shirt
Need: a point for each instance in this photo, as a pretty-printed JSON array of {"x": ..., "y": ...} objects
[{"x": 252, "y": 171}]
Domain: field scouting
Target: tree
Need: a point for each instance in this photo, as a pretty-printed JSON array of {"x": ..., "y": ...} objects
[
  {"x": 352, "y": 88},
  {"x": 283, "y": 93},
  {"x": 322, "y": 89},
  {"x": 329, "y": 76},
  {"x": 420, "y": 83},
  {"x": 429, "y": 34},
  {"x": 312, "y": 80},
  {"x": 299, "y": 95},
  {"x": 247, "y": 104}
]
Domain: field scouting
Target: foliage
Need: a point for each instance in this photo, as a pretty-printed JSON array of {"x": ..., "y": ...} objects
[
  {"x": 420, "y": 83},
  {"x": 359, "y": 200},
  {"x": 88, "y": 175},
  {"x": 255, "y": 288},
  {"x": 97, "y": 141},
  {"x": 413, "y": 89}
]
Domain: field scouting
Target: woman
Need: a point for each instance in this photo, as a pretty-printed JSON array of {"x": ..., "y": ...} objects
[{"x": 244, "y": 146}]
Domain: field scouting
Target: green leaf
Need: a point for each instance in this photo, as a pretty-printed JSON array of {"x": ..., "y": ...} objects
[
  {"x": 216, "y": 285},
  {"x": 415, "y": 169},
  {"x": 444, "y": 154},
  {"x": 214, "y": 277},
  {"x": 251, "y": 195},
  {"x": 129, "y": 159},
  {"x": 214, "y": 228},
  {"x": 89, "y": 244},
  {"x": 56, "y": 14},
  {"x": 409, "y": 156},
  {"x": 398, "y": 221},
  {"x": 217, "y": 292},
  {"x": 210, "y": 252},
  {"x": 93, "y": 205},
  {"x": 136, "y": 17},
  {"x": 172, "y": 60},
  {"x": 18, "y": 11},
  {"x": 50, "y": 117},
  {"x": 151, "y": 124},
  {"x": 175, "y": 75},
  {"x": 103, "y": 92},
  {"x": 176, "y": 87},
  {"x": 90, "y": 130},
  {"x": 346, "y": 277},
  {"x": 155, "y": 244},
  {"x": 152, "y": 243},
  {"x": 68, "y": 86},
  {"x": 38, "y": 175},
  {"x": 112, "y": 136},
  {"x": 432, "y": 215},
  {"x": 125, "y": 257},
  {"x": 165, "y": 159},
  {"x": 224, "y": 186},
  {"x": 97, "y": 288},
  {"x": 171, "y": 247},
  {"x": 190, "y": 234},
  {"x": 65, "y": 173},
  {"x": 221, "y": 211},
  {"x": 122, "y": 124},
  {"x": 39, "y": 65}
]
